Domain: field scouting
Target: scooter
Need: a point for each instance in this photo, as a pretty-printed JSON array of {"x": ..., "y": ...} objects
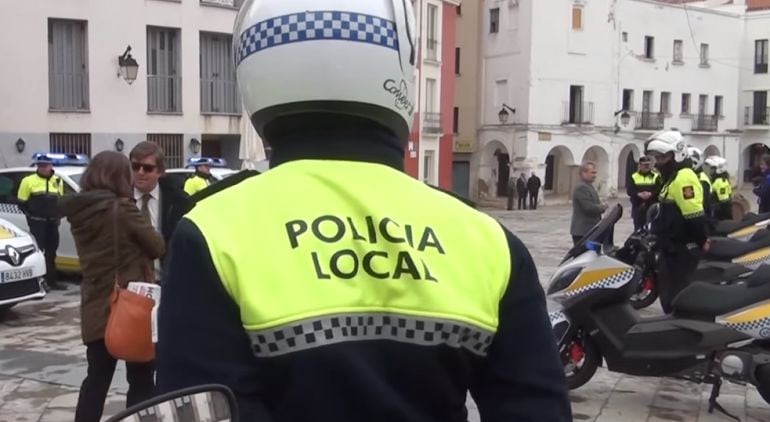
[
  {"x": 716, "y": 332},
  {"x": 744, "y": 229},
  {"x": 727, "y": 259}
]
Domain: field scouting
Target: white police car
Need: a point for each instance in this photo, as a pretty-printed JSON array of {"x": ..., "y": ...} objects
[
  {"x": 70, "y": 168},
  {"x": 22, "y": 267}
]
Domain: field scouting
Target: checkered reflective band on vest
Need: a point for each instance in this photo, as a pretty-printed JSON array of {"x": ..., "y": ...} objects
[
  {"x": 320, "y": 331},
  {"x": 316, "y": 253}
]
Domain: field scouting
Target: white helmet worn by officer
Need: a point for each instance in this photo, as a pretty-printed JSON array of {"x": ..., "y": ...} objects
[
  {"x": 696, "y": 156},
  {"x": 362, "y": 53},
  {"x": 719, "y": 164},
  {"x": 667, "y": 141}
]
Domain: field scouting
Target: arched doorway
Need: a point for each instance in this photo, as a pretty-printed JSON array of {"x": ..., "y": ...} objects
[
  {"x": 711, "y": 151},
  {"x": 598, "y": 155},
  {"x": 495, "y": 168},
  {"x": 751, "y": 158},
  {"x": 627, "y": 164},
  {"x": 557, "y": 172}
]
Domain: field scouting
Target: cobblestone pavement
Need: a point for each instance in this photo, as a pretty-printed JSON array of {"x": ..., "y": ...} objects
[{"x": 42, "y": 361}]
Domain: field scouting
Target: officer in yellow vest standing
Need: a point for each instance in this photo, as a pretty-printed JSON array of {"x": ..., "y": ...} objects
[
  {"x": 722, "y": 189},
  {"x": 643, "y": 190},
  {"x": 697, "y": 159},
  {"x": 334, "y": 287},
  {"x": 38, "y": 195},
  {"x": 681, "y": 226},
  {"x": 202, "y": 178}
]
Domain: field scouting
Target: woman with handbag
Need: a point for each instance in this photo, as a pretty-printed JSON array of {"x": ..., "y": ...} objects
[{"x": 116, "y": 244}]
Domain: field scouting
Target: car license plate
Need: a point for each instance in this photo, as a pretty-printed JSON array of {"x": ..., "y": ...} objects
[{"x": 16, "y": 275}]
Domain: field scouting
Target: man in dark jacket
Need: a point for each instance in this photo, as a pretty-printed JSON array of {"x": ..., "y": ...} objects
[
  {"x": 587, "y": 208},
  {"x": 521, "y": 190},
  {"x": 261, "y": 295},
  {"x": 161, "y": 201},
  {"x": 762, "y": 188},
  {"x": 533, "y": 186}
]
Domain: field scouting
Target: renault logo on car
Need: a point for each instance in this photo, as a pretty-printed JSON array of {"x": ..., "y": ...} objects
[{"x": 13, "y": 254}]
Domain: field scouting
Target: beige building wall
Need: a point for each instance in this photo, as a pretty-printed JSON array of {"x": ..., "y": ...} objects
[{"x": 467, "y": 97}]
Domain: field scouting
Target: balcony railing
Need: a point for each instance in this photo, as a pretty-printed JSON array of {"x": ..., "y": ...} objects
[
  {"x": 757, "y": 116},
  {"x": 220, "y": 96},
  {"x": 705, "y": 123},
  {"x": 648, "y": 120},
  {"x": 431, "y": 50},
  {"x": 578, "y": 113},
  {"x": 431, "y": 123},
  {"x": 164, "y": 94}
]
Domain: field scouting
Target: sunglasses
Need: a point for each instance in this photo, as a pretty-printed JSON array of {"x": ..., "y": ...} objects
[{"x": 147, "y": 168}]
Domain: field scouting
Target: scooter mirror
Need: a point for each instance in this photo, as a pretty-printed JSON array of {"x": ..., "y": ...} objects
[
  {"x": 653, "y": 212},
  {"x": 206, "y": 403}
]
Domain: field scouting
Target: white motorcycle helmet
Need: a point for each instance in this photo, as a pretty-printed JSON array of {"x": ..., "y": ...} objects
[
  {"x": 696, "y": 156},
  {"x": 345, "y": 57},
  {"x": 667, "y": 141},
  {"x": 718, "y": 163}
]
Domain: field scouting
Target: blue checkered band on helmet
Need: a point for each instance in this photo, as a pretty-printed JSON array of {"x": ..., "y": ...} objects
[{"x": 316, "y": 25}]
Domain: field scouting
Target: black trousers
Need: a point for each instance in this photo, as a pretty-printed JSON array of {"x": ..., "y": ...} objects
[
  {"x": 46, "y": 235},
  {"x": 522, "y": 200},
  {"x": 675, "y": 268},
  {"x": 533, "y": 200},
  {"x": 101, "y": 368}
]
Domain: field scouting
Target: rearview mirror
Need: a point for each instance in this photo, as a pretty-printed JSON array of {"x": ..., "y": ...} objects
[
  {"x": 653, "y": 212},
  {"x": 205, "y": 403}
]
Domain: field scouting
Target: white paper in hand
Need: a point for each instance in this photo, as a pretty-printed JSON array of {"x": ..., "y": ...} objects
[{"x": 151, "y": 291}]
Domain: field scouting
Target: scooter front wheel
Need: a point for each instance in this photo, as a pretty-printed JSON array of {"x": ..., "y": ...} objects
[{"x": 581, "y": 359}]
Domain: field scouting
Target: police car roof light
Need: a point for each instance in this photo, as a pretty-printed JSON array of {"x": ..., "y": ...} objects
[
  {"x": 209, "y": 161},
  {"x": 61, "y": 159}
]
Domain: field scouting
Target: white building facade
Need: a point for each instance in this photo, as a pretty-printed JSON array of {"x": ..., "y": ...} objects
[
  {"x": 63, "y": 91},
  {"x": 592, "y": 80}
]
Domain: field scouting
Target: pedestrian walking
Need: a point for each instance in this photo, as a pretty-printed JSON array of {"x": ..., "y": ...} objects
[
  {"x": 533, "y": 187},
  {"x": 109, "y": 254},
  {"x": 521, "y": 190},
  {"x": 587, "y": 208},
  {"x": 762, "y": 185}
]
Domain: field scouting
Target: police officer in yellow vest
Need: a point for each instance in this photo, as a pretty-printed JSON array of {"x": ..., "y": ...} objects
[
  {"x": 643, "y": 190},
  {"x": 697, "y": 159},
  {"x": 681, "y": 226},
  {"x": 202, "y": 178},
  {"x": 722, "y": 189},
  {"x": 38, "y": 195},
  {"x": 334, "y": 287}
]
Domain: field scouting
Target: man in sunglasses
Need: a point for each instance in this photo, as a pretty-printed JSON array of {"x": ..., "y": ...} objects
[{"x": 161, "y": 202}]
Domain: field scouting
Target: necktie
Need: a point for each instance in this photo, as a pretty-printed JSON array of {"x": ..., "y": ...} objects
[{"x": 146, "y": 207}]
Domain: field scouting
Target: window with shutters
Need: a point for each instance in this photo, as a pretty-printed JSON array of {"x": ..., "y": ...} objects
[
  {"x": 678, "y": 55},
  {"x": 494, "y": 20},
  {"x": 577, "y": 18},
  {"x": 164, "y": 80},
  {"x": 173, "y": 148},
  {"x": 704, "y": 55},
  {"x": 219, "y": 91},
  {"x": 665, "y": 102},
  {"x": 70, "y": 143},
  {"x": 67, "y": 65},
  {"x": 760, "y": 56}
]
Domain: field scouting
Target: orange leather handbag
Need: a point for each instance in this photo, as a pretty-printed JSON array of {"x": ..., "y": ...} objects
[{"x": 128, "y": 335}]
